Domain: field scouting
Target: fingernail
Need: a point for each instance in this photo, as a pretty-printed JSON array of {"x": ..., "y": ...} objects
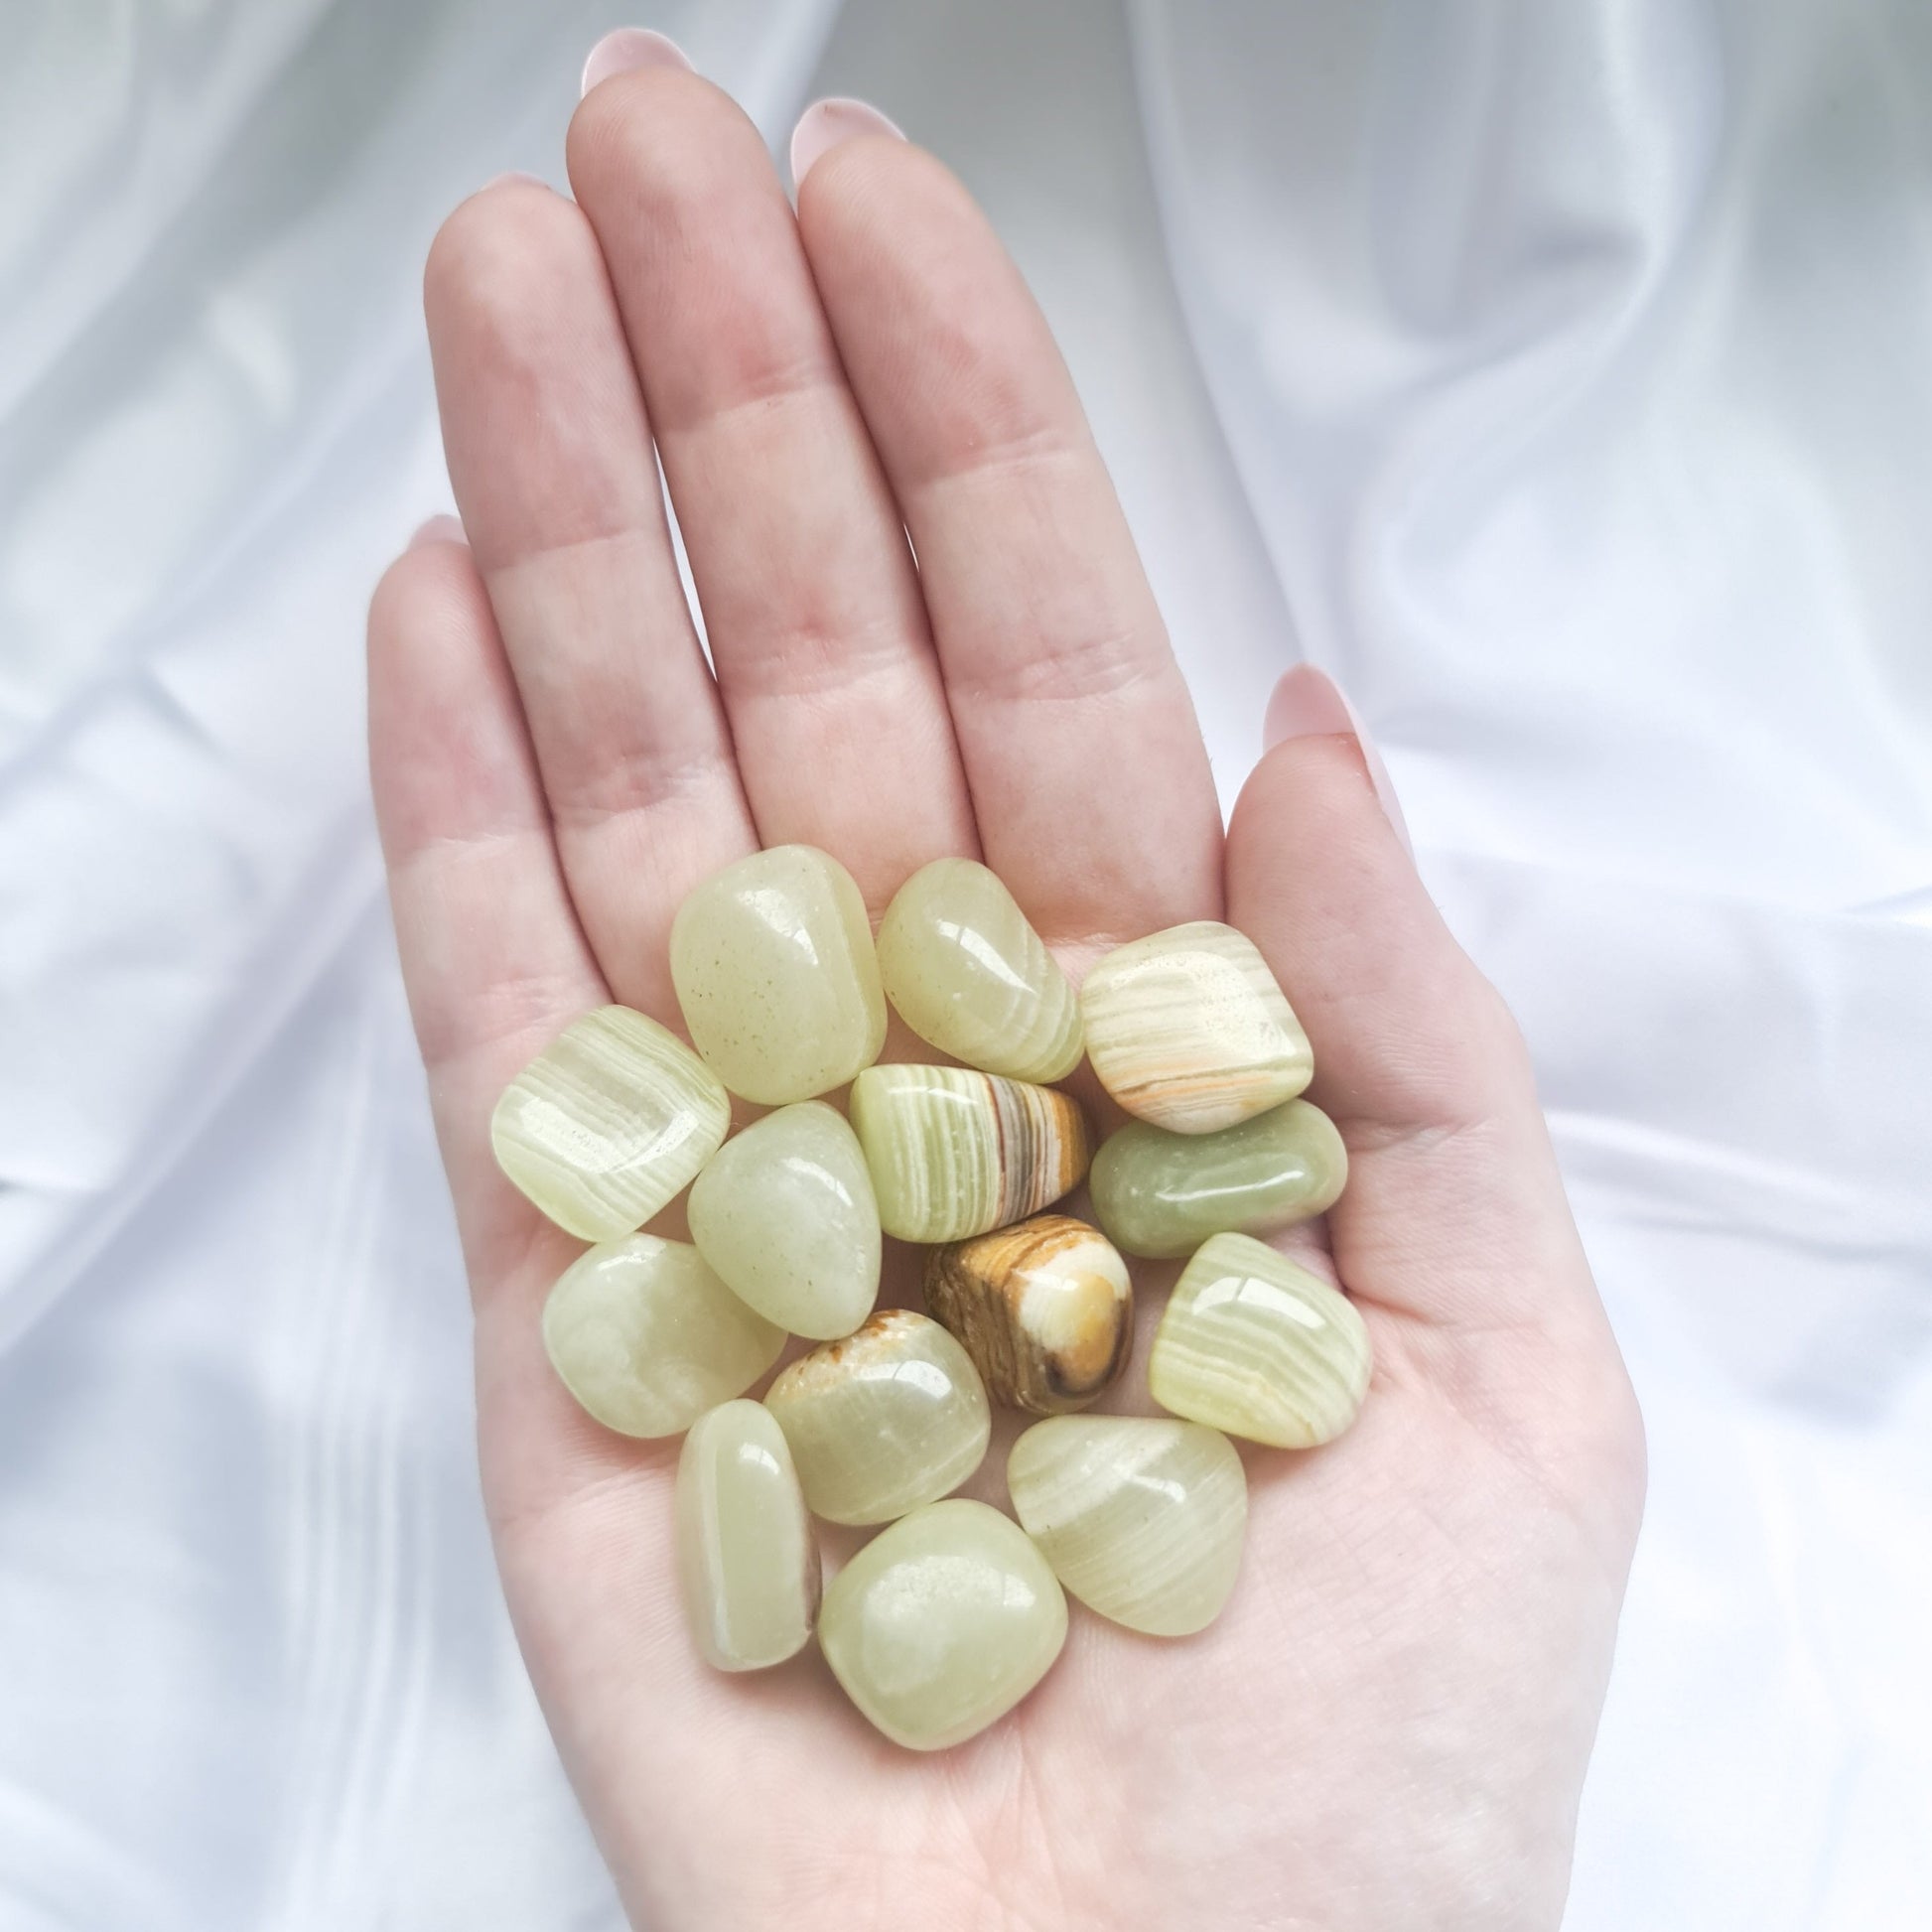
[
  {"x": 513, "y": 174},
  {"x": 1309, "y": 702},
  {"x": 439, "y": 529},
  {"x": 628, "y": 47},
  {"x": 825, "y": 123}
]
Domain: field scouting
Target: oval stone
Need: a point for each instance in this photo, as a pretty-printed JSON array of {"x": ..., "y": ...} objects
[
  {"x": 607, "y": 1123},
  {"x": 785, "y": 1213},
  {"x": 942, "y": 1623},
  {"x": 1254, "y": 1344},
  {"x": 1045, "y": 1310},
  {"x": 1163, "y": 1194},
  {"x": 1187, "y": 1029},
  {"x": 774, "y": 964},
  {"x": 955, "y": 1153},
  {"x": 746, "y": 1557},
  {"x": 1142, "y": 1518},
  {"x": 883, "y": 1420},
  {"x": 970, "y": 976},
  {"x": 647, "y": 1339}
]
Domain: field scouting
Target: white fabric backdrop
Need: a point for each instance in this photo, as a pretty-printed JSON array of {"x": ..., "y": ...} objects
[{"x": 1558, "y": 377}]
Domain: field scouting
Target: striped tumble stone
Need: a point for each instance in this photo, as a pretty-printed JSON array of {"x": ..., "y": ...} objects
[
  {"x": 968, "y": 973},
  {"x": 607, "y": 1123},
  {"x": 1254, "y": 1344},
  {"x": 1142, "y": 1518},
  {"x": 1163, "y": 1194},
  {"x": 1187, "y": 1029},
  {"x": 954, "y": 1153}
]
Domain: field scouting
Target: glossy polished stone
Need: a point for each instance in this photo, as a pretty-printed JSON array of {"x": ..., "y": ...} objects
[
  {"x": 647, "y": 1339},
  {"x": 955, "y": 1153},
  {"x": 1188, "y": 1030},
  {"x": 784, "y": 1212},
  {"x": 774, "y": 964},
  {"x": 1045, "y": 1308},
  {"x": 970, "y": 976},
  {"x": 942, "y": 1623},
  {"x": 747, "y": 1557},
  {"x": 607, "y": 1123},
  {"x": 884, "y": 1419},
  {"x": 1142, "y": 1518},
  {"x": 1163, "y": 1194},
  {"x": 1254, "y": 1344}
]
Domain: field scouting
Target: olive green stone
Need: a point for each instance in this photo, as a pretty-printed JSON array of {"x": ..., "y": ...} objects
[
  {"x": 1163, "y": 1194},
  {"x": 970, "y": 976},
  {"x": 607, "y": 1123},
  {"x": 786, "y": 1214},
  {"x": 1254, "y": 1344},
  {"x": 942, "y": 1623},
  {"x": 1143, "y": 1518},
  {"x": 884, "y": 1419},
  {"x": 774, "y": 964},
  {"x": 746, "y": 1557},
  {"x": 647, "y": 1339}
]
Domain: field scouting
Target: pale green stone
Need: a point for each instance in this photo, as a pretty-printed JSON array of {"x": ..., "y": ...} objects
[
  {"x": 1187, "y": 1029},
  {"x": 774, "y": 964},
  {"x": 746, "y": 1557},
  {"x": 647, "y": 1339},
  {"x": 607, "y": 1123},
  {"x": 1163, "y": 1194},
  {"x": 1142, "y": 1518},
  {"x": 1253, "y": 1343},
  {"x": 883, "y": 1420},
  {"x": 942, "y": 1623},
  {"x": 970, "y": 976},
  {"x": 955, "y": 1153},
  {"x": 786, "y": 1214}
]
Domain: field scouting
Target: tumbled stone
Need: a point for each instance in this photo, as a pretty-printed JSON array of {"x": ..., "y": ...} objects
[
  {"x": 884, "y": 1419},
  {"x": 955, "y": 1153},
  {"x": 647, "y": 1339},
  {"x": 942, "y": 1623},
  {"x": 784, "y": 1212},
  {"x": 1045, "y": 1308},
  {"x": 1188, "y": 1030},
  {"x": 970, "y": 976},
  {"x": 1163, "y": 1194},
  {"x": 747, "y": 1557},
  {"x": 774, "y": 964},
  {"x": 1254, "y": 1344},
  {"x": 1142, "y": 1518},
  {"x": 607, "y": 1123}
]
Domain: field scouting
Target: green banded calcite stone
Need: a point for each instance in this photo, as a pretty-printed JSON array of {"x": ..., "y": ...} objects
[
  {"x": 607, "y": 1123},
  {"x": 942, "y": 1623},
  {"x": 970, "y": 976},
  {"x": 647, "y": 1339},
  {"x": 774, "y": 964},
  {"x": 1143, "y": 1518},
  {"x": 784, "y": 1212},
  {"x": 955, "y": 1153},
  {"x": 746, "y": 1557},
  {"x": 1163, "y": 1194},
  {"x": 883, "y": 1420},
  {"x": 1187, "y": 1029},
  {"x": 1254, "y": 1344}
]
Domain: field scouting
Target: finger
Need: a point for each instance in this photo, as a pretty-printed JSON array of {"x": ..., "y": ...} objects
[
  {"x": 551, "y": 458},
  {"x": 1455, "y": 1211},
  {"x": 491, "y": 954},
  {"x": 1089, "y": 780},
  {"x": 811, "y": 604}
]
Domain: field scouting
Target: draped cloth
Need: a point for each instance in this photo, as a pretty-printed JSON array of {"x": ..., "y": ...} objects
[{"x": 1556, "y": 375}]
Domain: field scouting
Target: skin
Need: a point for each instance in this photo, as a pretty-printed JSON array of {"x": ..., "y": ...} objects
[{"x": 1389, "y": 1726}]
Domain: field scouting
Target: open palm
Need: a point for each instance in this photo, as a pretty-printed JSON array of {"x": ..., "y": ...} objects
[{"x": 1387, "y": 1727}]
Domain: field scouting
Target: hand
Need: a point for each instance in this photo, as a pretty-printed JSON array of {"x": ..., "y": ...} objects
[{"x": 1388, "y": 1728}]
